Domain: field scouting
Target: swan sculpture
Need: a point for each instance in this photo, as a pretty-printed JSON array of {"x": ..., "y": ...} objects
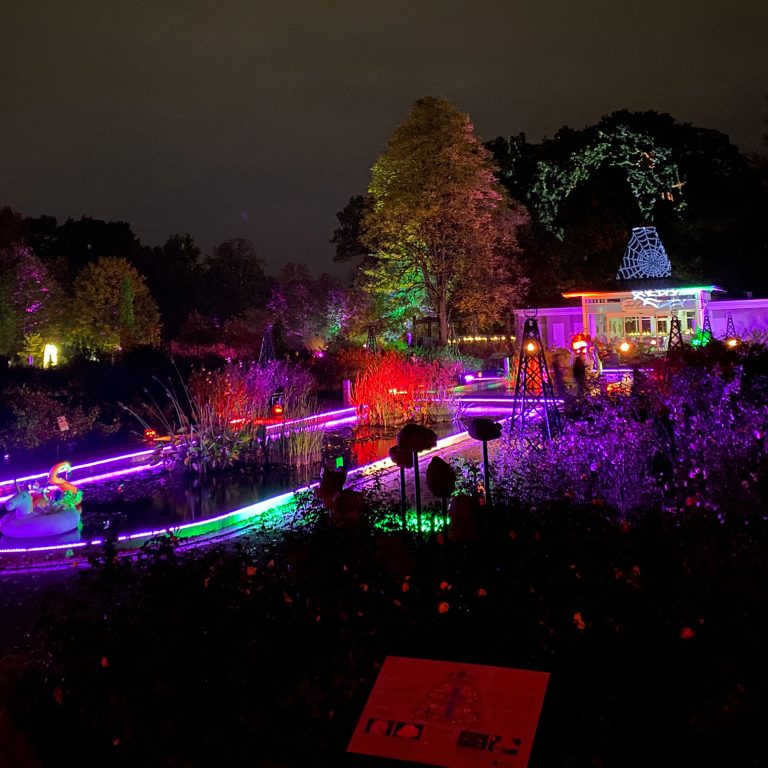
[{"x": 50, "y": 511}]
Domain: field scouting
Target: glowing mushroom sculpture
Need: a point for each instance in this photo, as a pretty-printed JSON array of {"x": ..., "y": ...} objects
[
  {"x": 416, "y": 438},
  {"x": 485, "y": 430}
]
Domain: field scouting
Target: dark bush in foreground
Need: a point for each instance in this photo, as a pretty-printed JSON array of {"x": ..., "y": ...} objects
[{"x": 264, "y": 654}]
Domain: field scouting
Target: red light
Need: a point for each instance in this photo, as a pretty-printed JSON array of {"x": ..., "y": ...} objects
[
  {"x": 277, "y": 409},
  {"x": 150, "y": 434}
]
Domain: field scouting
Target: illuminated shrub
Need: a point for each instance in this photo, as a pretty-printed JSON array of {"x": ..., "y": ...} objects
[
  {"x": 694, "y": 442},
  {"x": 34, "y": 418},
  {"x": 392, "y": 390}
]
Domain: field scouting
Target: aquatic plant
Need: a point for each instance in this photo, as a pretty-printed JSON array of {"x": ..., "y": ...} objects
[{"x": 218, "y": 419}]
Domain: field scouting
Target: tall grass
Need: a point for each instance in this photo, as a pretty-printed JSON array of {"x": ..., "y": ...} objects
[
  {"x": 217, "y": 419},
  {"x": 392, "y": 390}
]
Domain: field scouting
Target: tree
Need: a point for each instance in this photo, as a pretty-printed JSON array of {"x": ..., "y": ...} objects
[
  {"x": 309, "y": 311},
  {"x": 31, "y": 301},
  {"x": 587, "y": 183},
  {"x": 234, "y": 280},
  {"x": 78, "y": 242},
  {"x": 113, "y": 308},
  {"x": 12, "y": 230},
  {"x": 174, "y": 276},
  {"x": 349, "y": 235},
  {"x": 441, "y": 226}
]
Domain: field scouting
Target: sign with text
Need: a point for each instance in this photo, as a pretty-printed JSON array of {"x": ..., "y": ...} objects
[{"x": 453, "y": 715}]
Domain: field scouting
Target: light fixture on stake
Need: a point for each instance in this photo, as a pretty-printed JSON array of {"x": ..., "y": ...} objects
[{"x": 485, "y": 430}]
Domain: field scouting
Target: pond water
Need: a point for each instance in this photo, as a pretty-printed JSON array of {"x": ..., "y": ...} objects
[
  {"x": 151, "y": 498},
  {"x": 156, "y": 497}
]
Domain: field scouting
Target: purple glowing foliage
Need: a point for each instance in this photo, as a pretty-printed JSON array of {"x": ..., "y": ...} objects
[{"x": 693, "y": 444}]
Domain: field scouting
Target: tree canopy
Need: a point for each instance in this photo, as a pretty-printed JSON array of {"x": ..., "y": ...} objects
[
  {"x": 234, "y": 279},
  {"x": 113, "y": 308},
  {"x": 441, "y": 227},
  {"x": 579, "y": 183}
]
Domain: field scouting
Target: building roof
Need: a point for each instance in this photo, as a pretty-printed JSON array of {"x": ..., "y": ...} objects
[{"x": 646, "y": 284}]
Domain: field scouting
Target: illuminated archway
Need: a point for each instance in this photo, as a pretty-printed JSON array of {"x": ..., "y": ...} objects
[{"x": 651, "y": 174}]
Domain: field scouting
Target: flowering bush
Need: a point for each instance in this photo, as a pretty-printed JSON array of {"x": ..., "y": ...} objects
[
  {"x": 604, "y": 458},
  {"x": 692, "y": 441}
]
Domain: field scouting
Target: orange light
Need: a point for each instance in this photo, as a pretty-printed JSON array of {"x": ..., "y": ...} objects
[
  {"x": 277, "y": 409},
  {"x": 624, "y": 346},
  {"x": 530, "y": 347},
  {"x": 150, "y": 434},
  {"x": 732, "y": 342}
]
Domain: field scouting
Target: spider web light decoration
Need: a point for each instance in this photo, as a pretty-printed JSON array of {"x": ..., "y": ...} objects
[{"x": 645, "y": 256}]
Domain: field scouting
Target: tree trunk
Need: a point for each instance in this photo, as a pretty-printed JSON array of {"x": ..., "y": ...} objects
[{"x": 442, "y": 319}]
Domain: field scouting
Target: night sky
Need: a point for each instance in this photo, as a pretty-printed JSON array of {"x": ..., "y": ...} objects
[{"x": 260, "y": 119}]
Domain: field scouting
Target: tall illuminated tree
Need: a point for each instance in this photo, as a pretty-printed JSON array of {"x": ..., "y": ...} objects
[
  {"x": 113, "y": 308},
  {"x": 441, "y": 228}
]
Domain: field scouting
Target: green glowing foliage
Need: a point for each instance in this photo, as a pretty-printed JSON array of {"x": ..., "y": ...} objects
[
  {"x": 440, "y": 226},
  {"x": 113, "y": 308},
  {"x": 651, "y": 174},
  {"x": 701, "y": 338}
]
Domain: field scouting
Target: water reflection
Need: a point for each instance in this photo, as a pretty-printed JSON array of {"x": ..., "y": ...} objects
[{"x": 158, "y": 498}]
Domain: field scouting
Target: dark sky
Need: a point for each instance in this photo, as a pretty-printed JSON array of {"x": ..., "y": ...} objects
[{"x": 260, "y": 119}]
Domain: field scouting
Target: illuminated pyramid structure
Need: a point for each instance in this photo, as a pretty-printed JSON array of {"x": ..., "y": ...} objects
[
  {"x": 707, "y": 326},
  {"x": 535, "y": 403},
  {"x": 267, "y": 353},
  {"x": 645, "y": 256},
  {"x": 675, "y": 341},
  {"x": 372, "y": 344}
]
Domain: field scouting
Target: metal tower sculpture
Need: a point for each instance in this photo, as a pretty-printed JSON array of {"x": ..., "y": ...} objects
[
  {"x": 372, "y": 345},
  {"x": 534, "y": 391},
  {"x": 675, "y": 341},
  {"x": 730, "y": 328},
  {"x": 706, "y": 325},
  {"x": 267, "y": 353}
]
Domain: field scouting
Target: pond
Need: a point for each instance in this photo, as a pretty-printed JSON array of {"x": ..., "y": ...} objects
[
  {"x": 147, "y": 498},
  {"x": 153, "y": 497}
]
